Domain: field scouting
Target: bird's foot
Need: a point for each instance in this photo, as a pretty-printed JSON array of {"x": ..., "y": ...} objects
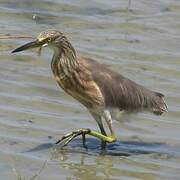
[{"x": 70, "y": 136}]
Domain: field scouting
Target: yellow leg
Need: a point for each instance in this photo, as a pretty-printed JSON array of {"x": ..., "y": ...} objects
[
  {"x": 102, "y": 136},
  {"x": 70, "y": 136},
  {"x": 109, "y": 139}
]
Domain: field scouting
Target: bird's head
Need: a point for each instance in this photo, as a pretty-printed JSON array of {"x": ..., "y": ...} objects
[{"x": 46, "y": 38}]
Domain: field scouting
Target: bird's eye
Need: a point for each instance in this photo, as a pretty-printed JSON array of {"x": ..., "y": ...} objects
[{"x": 49, "y": 39}]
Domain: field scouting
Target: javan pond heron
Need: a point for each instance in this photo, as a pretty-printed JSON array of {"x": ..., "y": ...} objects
[{"x": 102, "y": 91}]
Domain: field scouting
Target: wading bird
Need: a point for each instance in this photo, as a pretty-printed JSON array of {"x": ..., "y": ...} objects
[{"x": 102, "y": 91}]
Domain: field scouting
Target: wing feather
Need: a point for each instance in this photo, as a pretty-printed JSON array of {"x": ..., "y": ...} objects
[{"x": 123, "y": 93}]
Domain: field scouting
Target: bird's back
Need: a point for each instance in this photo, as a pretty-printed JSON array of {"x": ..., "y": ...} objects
[{"x": 122, "y": 93}]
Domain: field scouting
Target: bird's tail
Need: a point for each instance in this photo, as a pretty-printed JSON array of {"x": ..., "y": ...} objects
[{"x": 159, "y": 106}]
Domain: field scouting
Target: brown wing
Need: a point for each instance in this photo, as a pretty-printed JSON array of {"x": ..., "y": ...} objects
[{"x": 123, "y": 93}]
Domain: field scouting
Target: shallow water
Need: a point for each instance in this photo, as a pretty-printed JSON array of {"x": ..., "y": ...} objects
[{"x": 142, "y": 44}]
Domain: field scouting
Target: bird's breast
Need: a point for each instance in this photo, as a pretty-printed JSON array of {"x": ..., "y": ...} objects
[{"x": 86, "y": 92}]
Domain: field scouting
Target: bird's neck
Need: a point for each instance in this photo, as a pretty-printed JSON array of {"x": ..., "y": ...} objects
[{"x": 64, "y": 59}]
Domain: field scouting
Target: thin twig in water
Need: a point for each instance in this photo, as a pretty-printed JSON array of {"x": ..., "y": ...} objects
[
  {"x": 19, "y": 177},
  {"x": 15, "y": 37},
  {"x": 129, "y": 4},
  {"x": 38, "y": 173}
]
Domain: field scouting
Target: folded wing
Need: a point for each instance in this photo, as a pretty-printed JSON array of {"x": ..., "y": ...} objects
[{"x": 123, "y": 93}]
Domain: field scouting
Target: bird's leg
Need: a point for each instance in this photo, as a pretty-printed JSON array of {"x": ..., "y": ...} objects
[
  {"x": 102, "y": 136},
  {"x": 103, "y": 143},
  {"x": 100, "y": 124},
  {"x": 108, "y": 119},
  {"x": 70, "y": 136},
  {"x": 84, "y": 140}
]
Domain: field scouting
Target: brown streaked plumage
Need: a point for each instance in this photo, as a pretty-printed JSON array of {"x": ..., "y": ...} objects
[{"x": 96, "y": 86}]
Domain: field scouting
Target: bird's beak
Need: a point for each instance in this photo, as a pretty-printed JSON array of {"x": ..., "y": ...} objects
[{"x": 29, "y": 45}]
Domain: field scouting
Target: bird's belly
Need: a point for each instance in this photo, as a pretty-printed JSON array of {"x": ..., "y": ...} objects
[
  {"x": 87, "y": 93},
  {"x": 86, "y": 101},
  {"x": 119, "y": 115}
]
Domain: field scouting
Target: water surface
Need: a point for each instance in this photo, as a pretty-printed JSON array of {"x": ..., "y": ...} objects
[{"x": 142, "y": 44}]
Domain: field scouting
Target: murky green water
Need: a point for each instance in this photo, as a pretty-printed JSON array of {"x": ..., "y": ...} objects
[{"x": 143, "y": 44}]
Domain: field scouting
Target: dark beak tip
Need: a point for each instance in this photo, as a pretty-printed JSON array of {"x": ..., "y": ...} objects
[
  {"x": 17, "y": 50},
  {"x": 29, "y": 45},
  {"x": 14, "y": 51}
]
